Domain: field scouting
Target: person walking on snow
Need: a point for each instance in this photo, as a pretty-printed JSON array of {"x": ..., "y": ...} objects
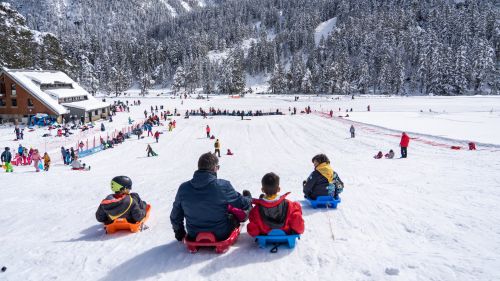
[
  {"x": 352, "y": 130},
  {"x": 157, "y": 136},
  {"x": 405, "y": 140},
  {"x": 6, "y": 157},
  {"x": 207, "y": 129},
  {"x": 36, "y": 159},
  {"x": 217, "y": 147},
  {"x": 46, "y": 161}
]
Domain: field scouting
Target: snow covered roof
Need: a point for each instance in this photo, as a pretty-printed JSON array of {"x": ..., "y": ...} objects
[
  {"x": 87, "y": 105},
  {"x": 28, "y": 79},
  {"x": 66, "y": 93}
]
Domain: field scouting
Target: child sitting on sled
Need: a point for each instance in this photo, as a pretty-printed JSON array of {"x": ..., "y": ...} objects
[
  {"x": 390, "y": 154},
  {"x": 121, "y": 204},
  {"x": 274, "y": 212},
  {"x": 78, "y": 165}
]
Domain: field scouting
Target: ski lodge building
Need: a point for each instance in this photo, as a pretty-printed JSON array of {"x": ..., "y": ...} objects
[{"x": 24, "y": 93}]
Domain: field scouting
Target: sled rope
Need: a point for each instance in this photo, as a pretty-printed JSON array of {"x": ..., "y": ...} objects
[{"x": 274, "y": 250}]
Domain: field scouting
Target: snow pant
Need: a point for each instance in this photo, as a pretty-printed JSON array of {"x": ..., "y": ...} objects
[
  {"x": 217, "y": 151},
  {"x": 404, "y": 152},
  {"x": 8, "y": 167},
  {"x": 37, "y": 167},
  {"x": 156, "y": 140},
  {"x": 152, "y": 153},
  {"x": 352, "y": 135},
  {"x": 46, "y": 166},
  {"x": 208, "y": 134}
]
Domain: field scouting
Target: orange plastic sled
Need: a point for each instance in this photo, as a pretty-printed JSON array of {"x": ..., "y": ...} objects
[{"x": 123, "y": 224}]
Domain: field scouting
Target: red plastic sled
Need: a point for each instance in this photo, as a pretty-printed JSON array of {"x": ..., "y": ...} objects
[
  {"x": 123, "y": 224},
  {"x": 207, "y": 239}
]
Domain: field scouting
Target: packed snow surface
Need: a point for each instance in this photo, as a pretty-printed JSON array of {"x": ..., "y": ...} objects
[{"x": 432, "y": 216}]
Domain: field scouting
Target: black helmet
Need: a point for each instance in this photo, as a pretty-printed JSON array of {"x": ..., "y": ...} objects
[
  {"x": 120, "y": 182},
  {"x": 7, "y": 148}
]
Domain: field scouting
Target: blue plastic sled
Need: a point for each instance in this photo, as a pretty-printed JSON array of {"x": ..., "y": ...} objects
[
  {"x": 277, "y": 236},
  {"x": 324, "y": 201}
]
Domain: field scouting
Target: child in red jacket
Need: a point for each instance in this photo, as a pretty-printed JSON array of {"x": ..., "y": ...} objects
[{"x": 274, "y": 212}]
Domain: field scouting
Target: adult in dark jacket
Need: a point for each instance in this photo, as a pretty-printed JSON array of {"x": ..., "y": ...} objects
[
  {"x": 204, "y": 201},
  {"x": 405, "y": 141},
  {"x": 352, "y": 130},
  {"x": 323, "y": 176},
  {"x": 63, "y": 153},
  {"x": 121, "y": 204},
  {"x": 6, "y": 157}
]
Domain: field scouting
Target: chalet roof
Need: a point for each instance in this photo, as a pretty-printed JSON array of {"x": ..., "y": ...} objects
[
  {"x": 28, "y": 79},
  {"x": 66, "y": 93},
  {"x": 32, "y": 80},
  {"x": 87, "y": 105}
]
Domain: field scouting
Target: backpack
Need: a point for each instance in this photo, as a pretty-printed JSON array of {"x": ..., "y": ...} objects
[{"x": 336, "y": 187}]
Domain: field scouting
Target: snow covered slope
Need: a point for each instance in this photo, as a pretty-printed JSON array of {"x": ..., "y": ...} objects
[
  {"x": 433, "y": 216},
  {"x": 324, "y": 29}
]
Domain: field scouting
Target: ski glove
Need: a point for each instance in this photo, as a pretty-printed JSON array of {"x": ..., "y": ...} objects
[
  {"x": 180, "y": 234},
  {"x": 247, "y": 193}
]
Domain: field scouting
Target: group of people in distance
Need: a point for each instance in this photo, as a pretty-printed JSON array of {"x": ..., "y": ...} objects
[
  {"x": 223, "y": 209},
  {"x": 405, "y": 141}
]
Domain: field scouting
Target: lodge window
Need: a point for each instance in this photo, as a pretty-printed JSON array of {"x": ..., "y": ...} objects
[
  {"x": 2, "y": 88},
  {"x": 13, "y": 90},
  {"x": 96, "y": 112},
  {"x": 2, "y": 102},
  {"x": 30, "y": 102},
  {"x": 14, "y": 102}
]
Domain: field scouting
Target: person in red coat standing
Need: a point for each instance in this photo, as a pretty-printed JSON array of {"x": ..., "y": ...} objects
[
  {"x": 405, "y": 140},
  {"x": 207, "y": 129},
  {"x": 274, "y": 212}
]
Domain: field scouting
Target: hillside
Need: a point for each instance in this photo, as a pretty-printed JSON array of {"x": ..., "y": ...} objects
[
  {"x": 392, "y": 47},
  {"x": 22, "y": 47}
]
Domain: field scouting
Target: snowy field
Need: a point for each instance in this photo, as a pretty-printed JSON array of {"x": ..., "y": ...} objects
[{"x": 432, "y": 216}]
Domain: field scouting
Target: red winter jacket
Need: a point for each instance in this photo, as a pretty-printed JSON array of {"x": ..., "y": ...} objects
[
  {"x": 405, "y": 140},
  {"x": 290, "y": 221}
]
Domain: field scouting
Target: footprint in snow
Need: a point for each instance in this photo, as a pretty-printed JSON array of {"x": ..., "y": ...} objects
[{"x": 391, "y": 271}]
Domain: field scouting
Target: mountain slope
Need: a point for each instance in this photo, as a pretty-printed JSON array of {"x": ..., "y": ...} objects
[{"x": 22, "y": 47}]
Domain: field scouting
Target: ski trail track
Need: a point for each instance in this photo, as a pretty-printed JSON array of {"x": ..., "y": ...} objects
[{"x": 382, "y": 222}]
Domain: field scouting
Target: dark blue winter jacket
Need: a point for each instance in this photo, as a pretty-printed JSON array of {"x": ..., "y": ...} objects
[
  {"x": 316, "y": 185},
  {"x": 6, "y": 156},
  {"x": 203, "y": 202}
]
